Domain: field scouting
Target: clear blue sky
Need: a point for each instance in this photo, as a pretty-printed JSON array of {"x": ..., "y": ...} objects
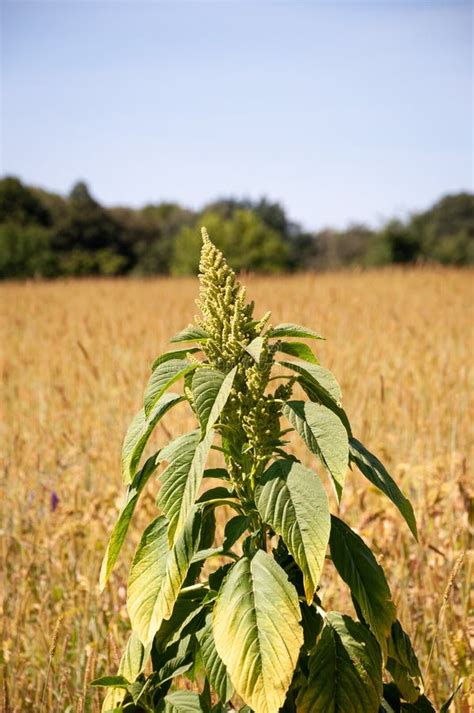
[{"x": 341, "y": 110}]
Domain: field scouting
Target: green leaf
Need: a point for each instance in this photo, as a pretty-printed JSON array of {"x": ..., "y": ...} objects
[
  {"x": 191, "y": 333},
  {"x": 299, "y": 350},
  {"x": 375, "y": 471},
  {"x": 182, "y": 702},
  {"x": 186, "y": 606},
  {"x": 324, "y": 434},
  {"x": 157, "y": 574},
  {"x": 131, "y": 665},
  {"x": 321, "y": 386},
  {"x": 366, "y": 579},
  {"x": 403, "y": 664},
  {"x": 181, "y": 479},
  {"x": 257, "y": 632},
  {"x": 140, "y": 431},
  {"x": 292, "y": 330},
  {"x": 293, "y": 501},
  {"x": 114, "y": 681},
  {"x": 166, "y": 374},
  {"x": 220, "y": 492},
  {"x": 255, "y": 348},
  {"x": 121, "y": 526},
  {"x": 234, "y": 529},
  {"x": 211, "y": 389},
  {"x": 214, "y": 666},
  {"x": 345, "y": 670},
  {"x": 175, "y": 354}
]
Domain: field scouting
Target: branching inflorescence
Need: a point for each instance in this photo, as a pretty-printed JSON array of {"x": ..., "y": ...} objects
[{"x": 254, "y": 635}]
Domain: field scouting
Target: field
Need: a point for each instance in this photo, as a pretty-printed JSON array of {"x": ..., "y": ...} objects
[{"x": 76, "y": 356}]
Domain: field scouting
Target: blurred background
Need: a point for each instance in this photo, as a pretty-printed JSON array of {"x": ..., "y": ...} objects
[{"x": 306, "y": 135}]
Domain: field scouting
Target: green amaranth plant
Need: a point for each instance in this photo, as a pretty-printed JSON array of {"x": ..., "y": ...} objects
[{"x": 256, "y": 630}]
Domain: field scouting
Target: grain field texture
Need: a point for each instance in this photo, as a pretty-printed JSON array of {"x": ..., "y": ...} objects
[{"x": 75, "y": 359}]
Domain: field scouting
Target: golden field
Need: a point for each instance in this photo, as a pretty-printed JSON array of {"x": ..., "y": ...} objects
[{"x": 75, "y": 360}]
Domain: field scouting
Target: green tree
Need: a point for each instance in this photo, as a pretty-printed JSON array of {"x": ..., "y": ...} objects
[
  {"x": 25, "y": 251},
  {"x": 250, "y": 244},
  {"x": 19, "y": 204}
]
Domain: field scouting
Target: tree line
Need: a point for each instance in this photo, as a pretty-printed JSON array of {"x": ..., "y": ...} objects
[{"x": 44, "y": 234}]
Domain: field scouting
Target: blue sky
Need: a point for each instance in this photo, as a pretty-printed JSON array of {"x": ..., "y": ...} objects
[{"x": 343, "y": 111}]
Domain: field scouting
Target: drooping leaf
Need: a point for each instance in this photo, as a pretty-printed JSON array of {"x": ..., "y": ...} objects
[
  {"x": 257, "y": 632},
  {"x": 324, "y": 434},
  {"x": 214, "y": 666},
  {"x": 321, "y": 386},
  {"x": 121, "y": 526},
  {"x": 174, "y": 354},
  {"x": 181, "y": 479},
  {"x": 299, "y": 350},
  {"x": 211, "y": 389},
  {"x": 293, "y": 501},
  {"x": 292, "y": 330},
  {"x": 187, "y": 605},
  {"x": 376, "y": 472},
  {"x": 403, "y": 664},
  {"x": 140, "y": 431},
  {"x": 345, "y": 670},
  {"x": 234, "y": 529},
  {"x": 157, "y": 574},
  {"x": 164, "y": 376},
  {"x": 191, "y": 333},
  {"x": 359, "y": 569},
  {"x": 312, "y": 623},
  {"x": 131, "y": 664}
]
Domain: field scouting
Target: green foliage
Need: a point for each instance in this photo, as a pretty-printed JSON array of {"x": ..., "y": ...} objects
[
  {"x": 256, "y": 630},
  {"x": 249, "y": 243},
  {"x": 43, "y": 234}
]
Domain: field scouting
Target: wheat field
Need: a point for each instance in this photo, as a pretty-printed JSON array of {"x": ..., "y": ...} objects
[{"x": 75, "y": 359}]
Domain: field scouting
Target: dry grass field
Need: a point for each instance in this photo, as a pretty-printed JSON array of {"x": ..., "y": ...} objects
[{"x": 76, "y": 356}]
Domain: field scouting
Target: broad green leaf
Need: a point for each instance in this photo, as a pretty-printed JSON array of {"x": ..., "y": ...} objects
[
  {"x": 140, "y": 431},
  {"x": 255, "y": 348},
  {"x": 131, "y": 664},
  {"x": 366, "y": 579},
  {"x": 166, "y": 374},
  {"x": 375, "y": 471},
  {"x": 403, "y": 664},
  {"x": 345, "y": 670},
  {"x": 157, "y": 574},
  {"x": 181, "y": 479},
  {"x": 257, "y": 632},
  {"x": 191, "y": 333},
  {"x": 175, "y": 354},
  {"x": 214, "y": 666},
  {"x": 324, "y": 434},
  {"x": 293, "y": 501},
  {"x": 121, "y": 526},
  {"x": 211, "y": 389},
  {"x": 299, "y": 350},
  {"x": 182, "y": 702},
  {"x": 292, "y": 330},
  {"x": 321, "y": 386}
]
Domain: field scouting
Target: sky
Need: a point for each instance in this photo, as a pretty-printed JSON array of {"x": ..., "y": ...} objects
[{"x": 342, "y": 111}]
